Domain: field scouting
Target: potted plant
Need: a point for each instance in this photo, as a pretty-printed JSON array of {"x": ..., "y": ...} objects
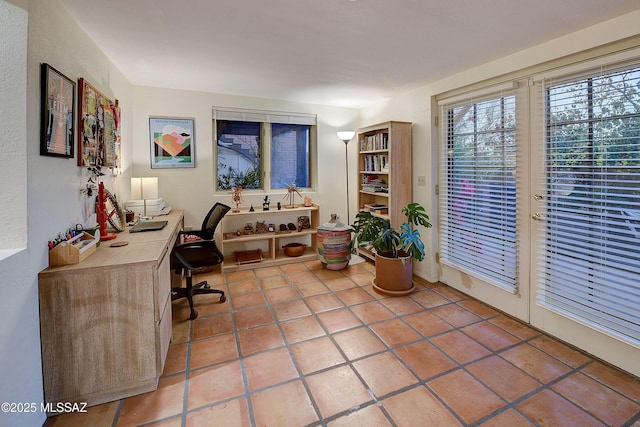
[{"x": 395, "y": 249}]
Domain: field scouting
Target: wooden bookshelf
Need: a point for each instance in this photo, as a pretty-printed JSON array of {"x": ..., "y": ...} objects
[{"x": 384, "y": 170}]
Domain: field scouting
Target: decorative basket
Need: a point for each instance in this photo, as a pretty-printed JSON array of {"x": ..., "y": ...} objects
[{"x": 333, "y": 244}]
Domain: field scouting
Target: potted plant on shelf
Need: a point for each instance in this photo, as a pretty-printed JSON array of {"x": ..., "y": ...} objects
[{"x": 395, "y": 249}]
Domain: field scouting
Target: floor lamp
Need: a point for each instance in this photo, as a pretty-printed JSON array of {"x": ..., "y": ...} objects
[{"x": 346, "y": 136}]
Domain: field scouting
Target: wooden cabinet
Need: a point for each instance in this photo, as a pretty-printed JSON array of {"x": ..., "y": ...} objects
[
  {"x": 106, "y": 322},
  {"x": 384, "y": 171},
  {"x": 234, "y": 238}
]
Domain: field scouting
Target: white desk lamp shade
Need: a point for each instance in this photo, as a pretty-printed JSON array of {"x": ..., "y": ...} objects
[{"x": 144, "y": 188}]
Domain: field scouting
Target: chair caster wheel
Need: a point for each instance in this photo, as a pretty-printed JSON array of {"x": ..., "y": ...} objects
[
  {"x": 193, "y": 315},
  {"x": 207, "y": 286},
  {"x": 223, "y": 298}
]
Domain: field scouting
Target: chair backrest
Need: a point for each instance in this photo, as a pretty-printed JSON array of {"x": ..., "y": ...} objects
[{"x": 212, "y": 219}]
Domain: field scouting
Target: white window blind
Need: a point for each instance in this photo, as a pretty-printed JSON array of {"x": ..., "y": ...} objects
[
  {"x": 264, "y": 116},
  {"x": 591, "y": 251},
  {"x": 478, "y": 194}
]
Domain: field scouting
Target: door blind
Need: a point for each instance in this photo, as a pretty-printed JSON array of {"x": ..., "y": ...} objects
[
  {"x": 591, "y": 251},
  {"x": 478, "y": 233}
]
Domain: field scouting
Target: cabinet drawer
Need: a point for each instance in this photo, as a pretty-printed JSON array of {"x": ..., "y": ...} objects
[
  {"x": 163, "y": 337},
  {"x": 162, "y": 284}
]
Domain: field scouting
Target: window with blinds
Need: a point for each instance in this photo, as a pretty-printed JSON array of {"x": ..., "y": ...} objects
[
  {"x": 591, "y": 255},
  {"x": 478, "y": 189}
]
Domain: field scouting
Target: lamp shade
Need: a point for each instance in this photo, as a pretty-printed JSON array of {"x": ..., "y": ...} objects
[
  {"x": 144, "y": 188},
  {"x": 346, "y": 135}
]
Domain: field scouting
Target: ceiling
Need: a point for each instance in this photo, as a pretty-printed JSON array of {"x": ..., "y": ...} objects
[{"x": 336, "y": 52}]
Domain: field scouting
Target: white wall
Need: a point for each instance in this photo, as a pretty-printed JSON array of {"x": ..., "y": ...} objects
[
  {"x": 418, "y": 106},
  {"x": 192, "y": 189},
  {"x": 13, "y": 115},
  {"x": 19, "y": 331},
  {"x": 52, "y": 190}
]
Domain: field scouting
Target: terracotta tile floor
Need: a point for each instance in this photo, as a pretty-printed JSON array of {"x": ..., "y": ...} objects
[{"x": 299, "y": 345}]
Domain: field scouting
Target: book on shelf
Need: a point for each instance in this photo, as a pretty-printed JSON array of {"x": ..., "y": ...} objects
[
  {"x": 375, "y": 186},
  {"x": 376, "y": 208},
  {"x": 376, "y": 163},
  {"x": 378, "y": 141},
  {"x": 374, "y": 189}
]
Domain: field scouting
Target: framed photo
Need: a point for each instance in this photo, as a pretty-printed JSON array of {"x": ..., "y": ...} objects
[
  {"x": 99, "y": 123},
  {"x": 57, "y": 128},
  {"x": 172, "y": 142}
]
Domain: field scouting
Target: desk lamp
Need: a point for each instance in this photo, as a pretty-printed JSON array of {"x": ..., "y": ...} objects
[{"x": 143, "y": 189}]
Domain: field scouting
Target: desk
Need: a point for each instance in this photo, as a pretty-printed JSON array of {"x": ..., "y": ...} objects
[{"x": 105, "y": 323}]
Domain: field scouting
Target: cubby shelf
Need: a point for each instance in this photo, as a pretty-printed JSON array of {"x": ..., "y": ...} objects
[{"x": 270, "y": 243}]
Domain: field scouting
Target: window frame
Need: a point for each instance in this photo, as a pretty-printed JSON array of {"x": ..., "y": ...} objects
[{"x": 266, "y": 118}]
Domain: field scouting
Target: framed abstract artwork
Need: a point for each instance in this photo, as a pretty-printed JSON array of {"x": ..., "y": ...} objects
[
  {"x": 57, "y": 128},
  {"x": 99, "y": 124},
  {"x": 172, "y": 142}
]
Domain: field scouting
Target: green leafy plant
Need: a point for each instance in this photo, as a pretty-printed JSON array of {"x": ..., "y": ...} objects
[{"x": 373, "y": 230}]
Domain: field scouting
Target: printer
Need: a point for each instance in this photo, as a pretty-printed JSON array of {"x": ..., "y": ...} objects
[
  {"x": 155, "y": 207},
  {"x": 145, "y": 200}
]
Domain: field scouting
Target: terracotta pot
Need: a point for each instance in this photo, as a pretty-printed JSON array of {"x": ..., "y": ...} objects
[{"x": 394, "y": 276}]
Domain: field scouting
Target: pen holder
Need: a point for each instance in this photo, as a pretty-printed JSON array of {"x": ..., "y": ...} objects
[{"x": 73, "y": 251}]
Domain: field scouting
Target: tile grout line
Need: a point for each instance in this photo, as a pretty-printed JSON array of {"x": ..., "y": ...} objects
[
  {"x": 287, "y": 346},
  {"x": 241, "y": 358},
  {"x": 392, "y": 350}
]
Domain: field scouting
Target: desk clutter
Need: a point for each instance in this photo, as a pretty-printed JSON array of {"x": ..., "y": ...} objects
[{"x": 72, "y": 247}]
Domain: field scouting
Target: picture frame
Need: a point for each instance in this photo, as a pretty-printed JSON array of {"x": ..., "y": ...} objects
[
  {"x": 57, "y": 117},
  {"x": 99, "y": 128},
  {"x": 172, "y": 142}
]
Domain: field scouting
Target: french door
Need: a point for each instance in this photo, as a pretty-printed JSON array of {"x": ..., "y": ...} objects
[
  {"x": 483, "y": 214},
  {"x": 540, "y": 215},
  {"x": 586, "y": 212}
]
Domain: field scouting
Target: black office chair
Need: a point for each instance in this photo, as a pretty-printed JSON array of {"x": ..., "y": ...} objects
[
  {"x": 201, "y": 253},
  {"x": 210, "y": 222}
]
